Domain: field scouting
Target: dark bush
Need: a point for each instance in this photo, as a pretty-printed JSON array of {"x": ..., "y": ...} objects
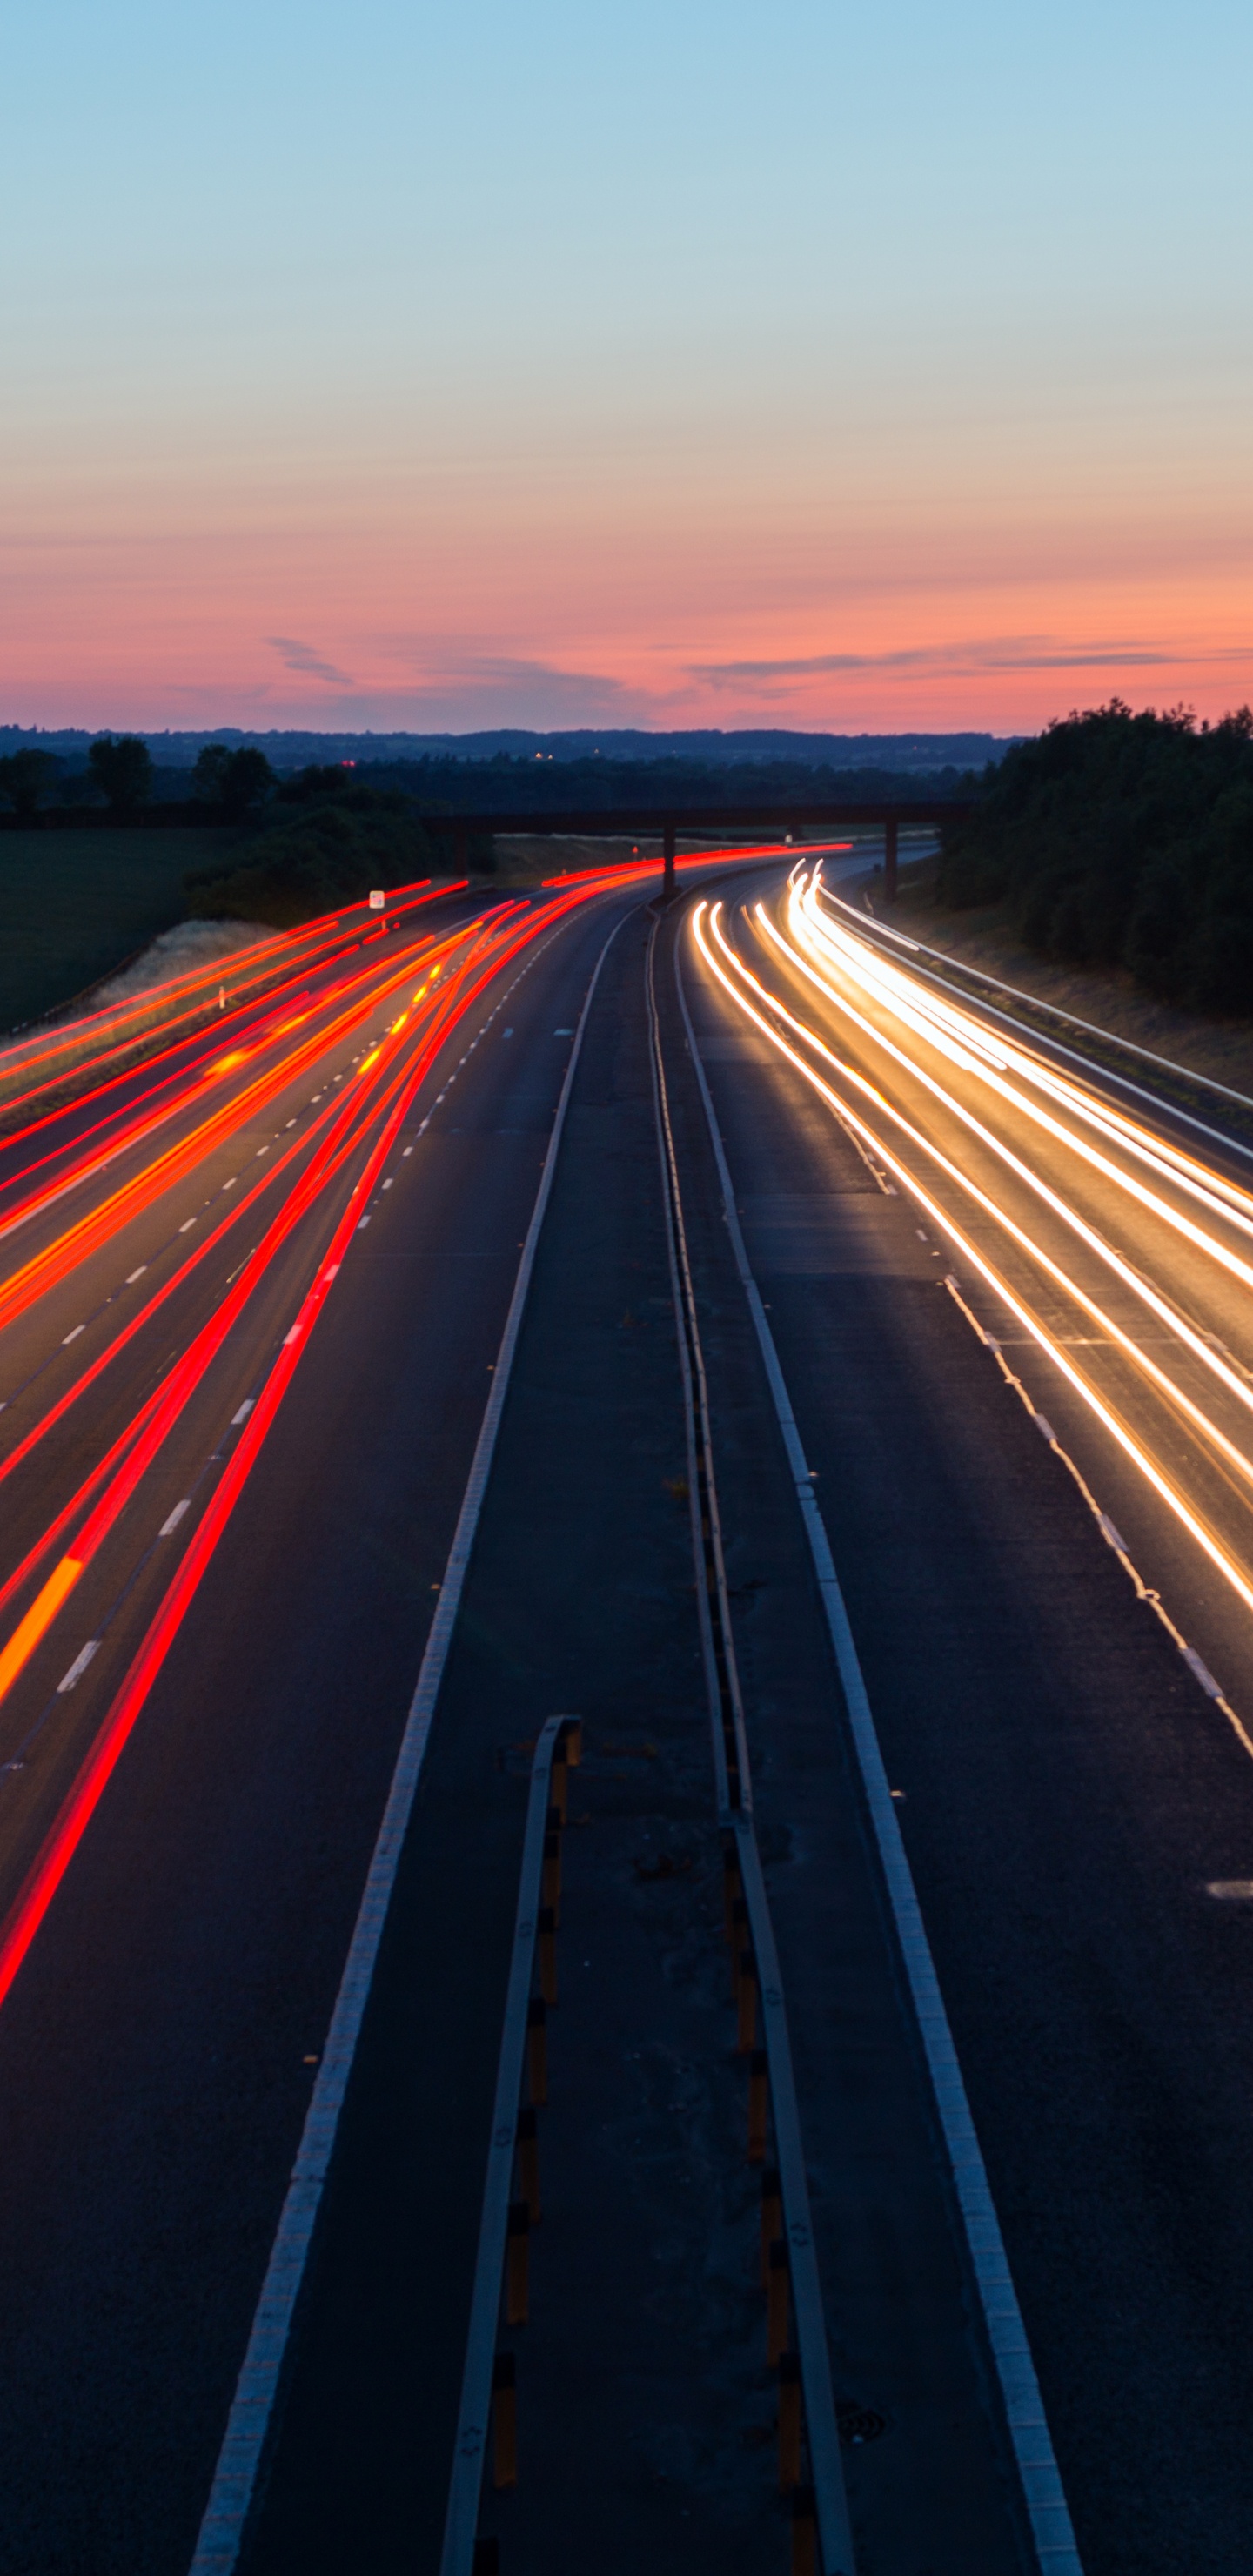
[{"x": 328, "y": 855}]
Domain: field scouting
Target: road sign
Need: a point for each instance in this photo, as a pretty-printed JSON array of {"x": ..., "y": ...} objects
[{"x": 377, "y": 899}]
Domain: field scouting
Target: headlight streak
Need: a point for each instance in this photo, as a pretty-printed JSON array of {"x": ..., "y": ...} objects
[
  {"x": 975, "y": 1053},
  {"x": 1154, "y": 1476},
  {"x": 1227, "y": 1198},
  {"x": 1166, "y": 1313}
]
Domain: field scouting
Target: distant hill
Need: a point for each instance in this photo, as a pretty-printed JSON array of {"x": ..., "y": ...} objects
[{"x": 928, "y": 753}]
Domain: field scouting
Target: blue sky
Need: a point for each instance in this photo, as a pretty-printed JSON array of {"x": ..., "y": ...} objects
[{"x": 825, "y": 365}]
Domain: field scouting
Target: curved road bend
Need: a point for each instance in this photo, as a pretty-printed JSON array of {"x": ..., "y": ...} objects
[
  {"x": 646, "y": 2411},
  {"x": 1070, "y": 1794},
  {"x": 157, "y": 2047}
]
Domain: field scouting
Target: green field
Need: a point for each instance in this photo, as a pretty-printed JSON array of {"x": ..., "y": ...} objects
[{"x": 73, "y": 905}]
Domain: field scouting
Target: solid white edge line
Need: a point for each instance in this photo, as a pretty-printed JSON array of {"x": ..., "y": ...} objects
[
  {"x": 1046, "y": 2504},
  {"x": 234, "y": 2480}
]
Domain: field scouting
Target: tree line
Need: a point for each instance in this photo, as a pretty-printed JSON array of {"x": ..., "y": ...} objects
[
  {"x": 232, "y": 783},
  {"x": 1122, "y": 840}
]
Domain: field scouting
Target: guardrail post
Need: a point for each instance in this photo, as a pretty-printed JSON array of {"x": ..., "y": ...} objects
[
  {"x": 517, "y": 2266},
  {"x": 505, "y": 2424},
  {"x": 550, "y": 1883},
  {"x": 758, "y": 2098},
  {"x": 804, "y": 2532},
  {"x": 548, "y": 1954},
  {"x": 746, "y": 2036},
  {"x": 738, "y": 1936},
  {"x": 777, "y": 2302},
  {"x": 771, "y": 2217},
  {"x": 789, "y": 2420},
  {"x": 537, "y": 2049},
  {"x": 528, "y": 2162}
]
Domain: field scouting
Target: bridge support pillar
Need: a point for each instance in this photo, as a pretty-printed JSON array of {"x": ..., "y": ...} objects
[
  {"x": 889, "y": 862},
  {"x": 667, "y": 882}
]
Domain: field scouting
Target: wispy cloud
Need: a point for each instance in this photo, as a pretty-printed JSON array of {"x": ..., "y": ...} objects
[
  {"x": 972, "y": 658},
  {"x": 512, "y": 688},
  {"x": 304, "y": 658}
]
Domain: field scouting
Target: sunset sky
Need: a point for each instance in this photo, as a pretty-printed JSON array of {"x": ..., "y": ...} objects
[{"x": 666, "y": 364}]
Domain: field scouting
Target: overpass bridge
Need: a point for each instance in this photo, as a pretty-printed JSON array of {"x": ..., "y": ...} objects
[{"x": 822, "y": 814}]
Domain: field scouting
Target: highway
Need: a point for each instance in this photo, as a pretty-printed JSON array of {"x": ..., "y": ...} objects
[
  {"x": 1010, "y": 1305},
  {"x": 260, "y": 1251}
]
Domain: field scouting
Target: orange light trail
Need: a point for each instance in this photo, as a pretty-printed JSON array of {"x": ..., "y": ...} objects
[{"x": 48, "y": 1870}]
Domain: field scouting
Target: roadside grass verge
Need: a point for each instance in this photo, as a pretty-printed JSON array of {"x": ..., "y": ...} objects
[{"x": 73, "y": 905}]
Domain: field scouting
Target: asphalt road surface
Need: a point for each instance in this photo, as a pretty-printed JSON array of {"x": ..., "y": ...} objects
[{"x": 234, "y": 1450}]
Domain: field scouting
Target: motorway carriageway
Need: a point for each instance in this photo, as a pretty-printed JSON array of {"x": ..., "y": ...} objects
[
  {"x": 255, "y": 1303},
  {"x": 183, "y": 1179},
  {"x": 1010, "y": 1296}
]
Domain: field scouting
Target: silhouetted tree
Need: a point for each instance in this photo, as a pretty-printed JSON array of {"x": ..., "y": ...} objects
[
  {"x": 122, "y": 766},
  {"x": 25, "y": 776},
  {"x": 235, "y": 780},
  {"x": 321, "y": 783},
  {"x": 1116, "y": 839}
]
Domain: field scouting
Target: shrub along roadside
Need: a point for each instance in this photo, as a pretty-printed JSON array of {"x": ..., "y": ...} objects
[
  {"x": 1116, "y": 839},
  {"x": 328, "y": 854}
]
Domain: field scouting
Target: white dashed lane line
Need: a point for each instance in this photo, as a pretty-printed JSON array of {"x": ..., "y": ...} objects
[
  {"x": 244, "y": 1410},
  {"x": 168, "y": 1527},
  {"x": 73, "y": 1337},
  {"x": 79, "y": 1665},
  {"x": 133, "y": 1275}
]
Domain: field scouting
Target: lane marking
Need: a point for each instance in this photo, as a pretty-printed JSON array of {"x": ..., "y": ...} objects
[
  {"x": 79, "y": 1665},
  {"x": 73, "y": 1337},
  {"x": 1237, "y": 1890},
  {"x": 168, "y": 1527},
  {"x": 234, "y": 2481},
  {"x": 244, "y": 1410},
  {"x": 1024, "y": 2406},
  {"x": 133, "y": 1275},
  {"x": 186, "y": 1229},
  {"x": 1110, "y": 1533}
]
